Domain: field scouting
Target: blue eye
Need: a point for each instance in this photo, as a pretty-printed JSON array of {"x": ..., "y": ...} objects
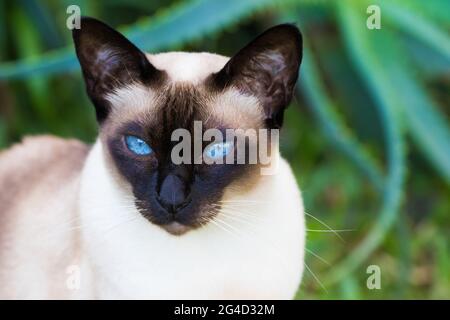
[
  {"x": 138, "y": 146},
  {"x": 218, "y": 150}
]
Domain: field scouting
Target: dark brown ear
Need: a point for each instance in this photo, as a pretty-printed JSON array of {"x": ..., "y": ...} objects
[
  {"x": 268, "y": 69},
  {"x": 108, "y": 61}
]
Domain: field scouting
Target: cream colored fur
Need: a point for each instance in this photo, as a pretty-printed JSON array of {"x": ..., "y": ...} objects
[{"x": 259, "y": 256}]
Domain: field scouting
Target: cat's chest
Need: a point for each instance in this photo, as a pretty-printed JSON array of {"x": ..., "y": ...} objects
[{"x": 216, "y": 265}]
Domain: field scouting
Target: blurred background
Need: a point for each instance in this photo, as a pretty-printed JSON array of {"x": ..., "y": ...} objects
[{"x": 368, "y": 133}]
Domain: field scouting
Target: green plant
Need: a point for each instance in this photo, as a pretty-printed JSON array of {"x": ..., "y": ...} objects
[{"x": 369, "y": 91}]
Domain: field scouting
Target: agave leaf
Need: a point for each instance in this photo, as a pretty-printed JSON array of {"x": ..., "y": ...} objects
[
  {"x": 173, "y": 26},
  {"x": 27, "y": 44},
  {"x": 418, "y": 27},
  {"x": 330, "y": 122},
  {"x": 41, "y": 18},
  {"x": 437, "y": 10},
  {"x": 3, "y": 29},
  {"x": 425, "y": 122},
  {"x": 349, "y": 288},
  {"x": 363, "y": 47},
  {"x": 436, "y": 65},
  {"x": 321, "y": 105}
]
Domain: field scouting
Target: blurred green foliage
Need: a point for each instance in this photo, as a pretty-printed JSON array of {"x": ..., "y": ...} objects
[{"x": 367, "y": 135}]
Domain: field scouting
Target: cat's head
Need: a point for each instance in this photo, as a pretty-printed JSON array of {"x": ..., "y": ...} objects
[{"x": 141, "y": 100}]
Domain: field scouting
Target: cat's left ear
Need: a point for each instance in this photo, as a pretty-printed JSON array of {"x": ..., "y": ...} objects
[{"x": 268, "y": 69}]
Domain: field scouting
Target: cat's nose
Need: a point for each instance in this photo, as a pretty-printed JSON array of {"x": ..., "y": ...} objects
[{"x": 173, "y": 193}]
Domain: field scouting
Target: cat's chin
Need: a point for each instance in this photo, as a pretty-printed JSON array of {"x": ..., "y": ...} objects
[{"x": 176, "y": 228}]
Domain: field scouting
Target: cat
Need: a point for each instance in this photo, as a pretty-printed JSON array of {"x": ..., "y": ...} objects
[{"x": 119, "y": 220}]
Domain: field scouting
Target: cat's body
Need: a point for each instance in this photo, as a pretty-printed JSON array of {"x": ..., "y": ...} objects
[
  {"x": 68, "y": 214},
  {"x": 39, "y": 192}
]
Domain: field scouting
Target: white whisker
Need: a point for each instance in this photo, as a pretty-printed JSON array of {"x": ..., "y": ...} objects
[
  {"x": 316, "y": 278},
  {"x": 325, "y": 225},
  {"x": 329, "y": 231},
  {"x": 317, "y": 256}
]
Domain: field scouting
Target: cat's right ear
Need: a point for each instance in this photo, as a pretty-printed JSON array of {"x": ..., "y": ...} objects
[{"x": 109, "y": 61}]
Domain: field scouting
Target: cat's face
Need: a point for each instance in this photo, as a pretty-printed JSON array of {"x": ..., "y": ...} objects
[{"x": 141, "y": 101}]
